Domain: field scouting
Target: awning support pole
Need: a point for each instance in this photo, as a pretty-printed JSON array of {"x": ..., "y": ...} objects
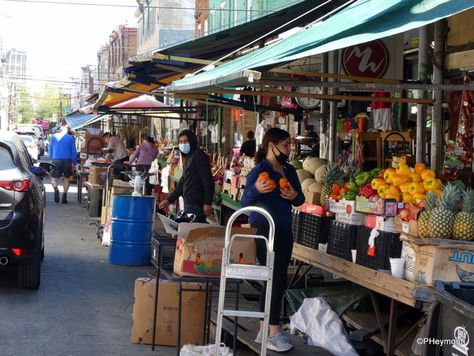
[
  {"x": 333, "y": 68},
  {"x": 437, "y": 120},
  {"x": 421, "y": 113},
  {"x": 323, "y": 122}
]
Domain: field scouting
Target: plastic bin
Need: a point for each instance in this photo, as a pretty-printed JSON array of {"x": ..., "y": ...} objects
[
  {"x": 313, "y": 230},
  {"x": 342, "y": 238},
  {"x": 456, "y": 317},
  {"x": 162, "y": 252},
  {"x": 387, "y": 245},
  {"x": 295, "y": 224}
]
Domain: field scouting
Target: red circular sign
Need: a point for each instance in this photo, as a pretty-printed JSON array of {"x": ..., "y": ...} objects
[{"x": 366, "y": 59}]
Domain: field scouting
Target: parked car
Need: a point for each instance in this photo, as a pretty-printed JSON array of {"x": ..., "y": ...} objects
[
  {"x": 22, "y": 211},
  {"x": 31, "y": 146},
  {"x": 39, "y": 134}
]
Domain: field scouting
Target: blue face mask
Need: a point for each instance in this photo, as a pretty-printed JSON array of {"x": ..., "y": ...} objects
[{"x": 184, "y": 148}]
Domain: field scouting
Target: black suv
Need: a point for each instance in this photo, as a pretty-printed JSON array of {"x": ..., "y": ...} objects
[{"x": 22, "y": 207}]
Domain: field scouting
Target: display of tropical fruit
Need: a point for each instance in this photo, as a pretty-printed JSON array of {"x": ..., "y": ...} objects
[
  {"x": 463, "y": 227},
  {"x": 424, "y": 217},
  {"x": 332, "y": 174},
  {"x": 441, "y": 218}
]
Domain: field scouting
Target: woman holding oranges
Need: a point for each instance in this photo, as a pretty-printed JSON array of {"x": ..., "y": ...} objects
[{"x": 274, "y": 186}]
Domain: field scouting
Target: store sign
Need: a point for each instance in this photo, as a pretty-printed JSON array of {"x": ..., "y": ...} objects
[{"x": 366, "y": 60}]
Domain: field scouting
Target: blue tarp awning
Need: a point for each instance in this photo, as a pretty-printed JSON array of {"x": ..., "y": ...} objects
[
  {"x": 76, "y": 120},
  {"x": 362, "y": 21}
]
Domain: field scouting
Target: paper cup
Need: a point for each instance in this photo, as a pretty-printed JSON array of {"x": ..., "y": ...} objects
[
  {"x": 354, "y": 255},
  {"x": 396, "y": 267}
]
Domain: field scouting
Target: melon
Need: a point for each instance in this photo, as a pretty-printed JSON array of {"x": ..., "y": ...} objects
[
  {"x": 319, "y": 173},
  {"x": 302, "y": 175},
  {"x": 316, "y": 187},
  {"x": 310, "y": 164},
  {"x": 307, "y": 182}
]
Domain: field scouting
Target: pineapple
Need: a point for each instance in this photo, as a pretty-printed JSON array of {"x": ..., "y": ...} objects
[
  {"x": 423, "y": 218},
  {"x": 332, "y": 174},
  {"x": 441, "y": 219},
  {"x": 463, "y": 228}
]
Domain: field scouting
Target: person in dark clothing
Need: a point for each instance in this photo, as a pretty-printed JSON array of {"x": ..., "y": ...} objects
[
  {"x": 272, "y": 158},
  {"x": 249, "y": 147},
  {"x": 196, "y": 186}
]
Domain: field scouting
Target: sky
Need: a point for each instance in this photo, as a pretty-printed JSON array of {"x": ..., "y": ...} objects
[{"x": 61, "y": 38}]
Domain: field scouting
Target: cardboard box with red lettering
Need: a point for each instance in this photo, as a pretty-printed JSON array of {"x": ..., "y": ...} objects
[
  {"x": 193, "y": 308},
  {"x": 199, "y": 249},
  {"x": 428, "y": 260}
]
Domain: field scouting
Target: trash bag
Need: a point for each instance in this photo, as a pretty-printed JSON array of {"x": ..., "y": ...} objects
[
  {"x": 323, "y": 327},
  {"x": 208, "y": 350}
]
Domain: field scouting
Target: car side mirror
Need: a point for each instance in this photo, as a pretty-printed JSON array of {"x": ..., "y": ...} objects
[{"x": 49, "y": 167}]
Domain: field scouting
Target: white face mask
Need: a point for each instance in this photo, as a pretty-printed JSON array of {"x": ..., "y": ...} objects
[{"x": 184, "y": 148}]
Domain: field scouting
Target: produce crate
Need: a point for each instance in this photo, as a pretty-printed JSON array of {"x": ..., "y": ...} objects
[
  {"x": 163, "y": 250},
  {"x": 295, "y": 224},
  {"x": 342, "y": 238},
  {"x": 313, "y": 230},
  {"x": 456, "y": 317},
  {"x": 387, "y": 245}
]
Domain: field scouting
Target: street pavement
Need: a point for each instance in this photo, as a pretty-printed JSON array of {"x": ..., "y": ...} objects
[{"x": 84, "y": 304}]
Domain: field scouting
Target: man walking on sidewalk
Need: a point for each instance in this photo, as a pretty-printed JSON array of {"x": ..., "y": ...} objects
[{"x": 63, "y": 154}]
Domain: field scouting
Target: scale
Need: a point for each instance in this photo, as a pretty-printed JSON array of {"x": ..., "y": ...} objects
[{"x": 137, "y": 180}]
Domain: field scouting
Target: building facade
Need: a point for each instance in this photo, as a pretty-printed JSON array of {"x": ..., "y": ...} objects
[
  {"x": 113, "y": 56},
  {"x": 163, "y": 23}
]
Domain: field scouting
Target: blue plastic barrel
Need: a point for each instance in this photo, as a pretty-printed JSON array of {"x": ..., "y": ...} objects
[{"x": 131, "y": 231}]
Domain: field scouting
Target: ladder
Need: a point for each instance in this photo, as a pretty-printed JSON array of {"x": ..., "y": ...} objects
[{"x": 248, "y": 272}]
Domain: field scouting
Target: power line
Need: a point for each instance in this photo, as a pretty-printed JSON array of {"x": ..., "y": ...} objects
[{"x": 134, "y": 6}]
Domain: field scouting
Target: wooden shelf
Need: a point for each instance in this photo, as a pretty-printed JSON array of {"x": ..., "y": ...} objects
[{"x": 395, "y": 288}]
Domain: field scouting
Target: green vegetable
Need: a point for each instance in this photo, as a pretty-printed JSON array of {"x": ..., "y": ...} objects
[
  {"x": 375, "y": 172},
  {"x": 362, "y": 178},
  {"x": 350, "y": 195},
  {"x": 353, "y": 187}
]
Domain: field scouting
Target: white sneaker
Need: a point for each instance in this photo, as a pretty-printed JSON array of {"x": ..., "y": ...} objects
[
  {"x": 279, "y": 343},
  {"x": 258, "y": 339}
]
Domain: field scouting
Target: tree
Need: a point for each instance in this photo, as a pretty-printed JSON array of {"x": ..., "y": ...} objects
[
  {"x": 47, "y": 103},
  {"x": 25, "y": 111}
]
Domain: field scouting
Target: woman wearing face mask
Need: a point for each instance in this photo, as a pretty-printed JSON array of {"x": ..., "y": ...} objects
[
  {"x": 272, "y": 158},
  {"x": 196, "y": 186}
]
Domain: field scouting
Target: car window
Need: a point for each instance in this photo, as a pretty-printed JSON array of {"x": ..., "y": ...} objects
[
  {"x": 6, "y": 159},
  {"x": 25, "y": 138},
  {"x": 24, "y": 156}
]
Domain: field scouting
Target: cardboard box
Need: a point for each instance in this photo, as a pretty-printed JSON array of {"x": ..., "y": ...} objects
[
  {"x": 314, "y": 209},
  {"x": 97, "y": 175},
  {"x": 386, "y": 207},
  {"x": 387, "y": 224},
  {"x": 312, "y": 197},
  {"x": 341, "y": 206},
  {"x": 426, "y": 263},
  {"x": 199, "y": 249},
  {"x": 193, "y": 310},
  {"x": 351, "y": 219}
]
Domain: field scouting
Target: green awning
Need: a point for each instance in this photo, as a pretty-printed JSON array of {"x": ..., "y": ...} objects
[
  {"x": 76, "y": 119},
  {"x": 363, "y": 21}
]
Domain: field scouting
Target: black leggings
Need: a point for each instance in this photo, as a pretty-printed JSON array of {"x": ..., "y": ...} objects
[{"x": 283, "y": 247}]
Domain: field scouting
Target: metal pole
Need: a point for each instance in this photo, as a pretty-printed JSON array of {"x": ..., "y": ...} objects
[
  {"x": 421, "y": 113},
  {"x": 323, "y": 126},
  {"x": 437, "y": 120},
  {"x": 333, "y": 68}
]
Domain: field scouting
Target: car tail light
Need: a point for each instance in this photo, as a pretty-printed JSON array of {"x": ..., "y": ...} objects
[
  {"x": 22, "y": 251},
  {"x": 17, "y": 185}
]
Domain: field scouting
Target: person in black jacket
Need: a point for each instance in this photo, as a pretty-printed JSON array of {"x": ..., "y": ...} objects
[
  {"x": 196, "y": 186},
  {"x": 249, "y": 147}
]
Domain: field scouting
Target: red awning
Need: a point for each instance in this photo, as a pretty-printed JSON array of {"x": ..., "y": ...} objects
[{"x": 142, "y": 102}]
